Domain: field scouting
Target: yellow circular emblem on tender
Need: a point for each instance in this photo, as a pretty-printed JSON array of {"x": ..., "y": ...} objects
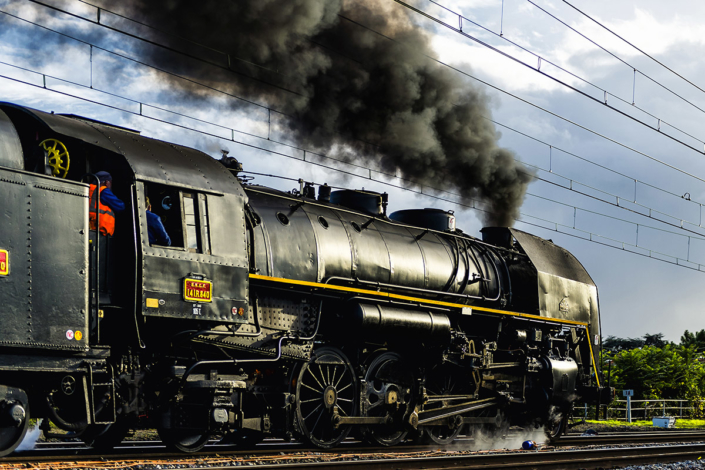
[{"x": 78, "y": 335}]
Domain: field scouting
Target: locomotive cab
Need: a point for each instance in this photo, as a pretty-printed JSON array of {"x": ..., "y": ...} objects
[{"x": 186, "y": 187}]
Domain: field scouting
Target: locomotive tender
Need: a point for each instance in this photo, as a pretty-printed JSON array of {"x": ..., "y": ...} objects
[{"x": 272, "y": 313}]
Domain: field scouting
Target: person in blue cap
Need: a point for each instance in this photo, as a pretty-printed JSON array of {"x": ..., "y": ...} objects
[
  {"x": 107, "y": 207},
  {"x": 157, "y": 233}
]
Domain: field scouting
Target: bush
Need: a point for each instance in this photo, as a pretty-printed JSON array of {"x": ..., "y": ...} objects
[{"x": 656, "y": 373}]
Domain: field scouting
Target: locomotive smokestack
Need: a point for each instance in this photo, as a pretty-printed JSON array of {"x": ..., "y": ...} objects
[{"x": 354, "y": 78}]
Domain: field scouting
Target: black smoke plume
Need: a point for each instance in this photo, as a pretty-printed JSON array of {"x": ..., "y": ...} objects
[{"x": 353, "y": 76}]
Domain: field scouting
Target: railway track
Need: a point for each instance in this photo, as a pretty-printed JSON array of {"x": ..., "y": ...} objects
[
  {"x": 631, "y": 438},
  {"x": 570, "y": 452}
]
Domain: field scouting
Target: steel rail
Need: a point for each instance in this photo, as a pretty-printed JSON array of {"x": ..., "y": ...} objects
[
  {"x": 403, "y": 459},
  {"x": 651, "y": 437},
  {"x": 144, "y": 450},
  {"x": 559, "y": 460}
]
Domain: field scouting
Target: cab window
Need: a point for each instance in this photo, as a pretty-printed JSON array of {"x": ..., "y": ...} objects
[
  {"x": 190, "y": 222},
  {"x": 184, "y": 215}
]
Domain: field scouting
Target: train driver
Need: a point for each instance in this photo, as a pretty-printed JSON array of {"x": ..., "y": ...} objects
[
  {"x": 109, "y": 204},
  {"x": 157, "y": 232}
]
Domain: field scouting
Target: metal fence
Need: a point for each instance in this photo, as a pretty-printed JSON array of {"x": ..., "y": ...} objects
[{"x": 643, "y": 409}]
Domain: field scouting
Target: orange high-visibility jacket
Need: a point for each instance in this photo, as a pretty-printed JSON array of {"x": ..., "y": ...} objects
[{"x": 107, "y": 216}]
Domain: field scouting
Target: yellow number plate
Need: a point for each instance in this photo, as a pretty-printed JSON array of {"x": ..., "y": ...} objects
[
  {"x": 4, "y": 263},
  {"x": 198, "y": 291}
]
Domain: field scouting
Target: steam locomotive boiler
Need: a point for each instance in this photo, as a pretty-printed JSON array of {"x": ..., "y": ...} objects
[{"x": 293, "y": 314}]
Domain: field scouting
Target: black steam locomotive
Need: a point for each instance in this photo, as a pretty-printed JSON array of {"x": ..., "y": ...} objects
[{"x": 272, "y": 313}]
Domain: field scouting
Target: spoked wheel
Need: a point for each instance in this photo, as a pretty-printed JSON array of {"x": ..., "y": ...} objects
[
  {"x": 389, "y": 393},
  {"x": 104, "y": 436},
  {"x": 183, "y": 440},
  {"x": 14, "y": 420},
  {"x": 326, "y": 386},
  {"x": 446, "y": 380},
  {"x": 556, "y": 425}
]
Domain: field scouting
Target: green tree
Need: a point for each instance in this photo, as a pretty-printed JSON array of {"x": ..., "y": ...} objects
[
  {"x": 654, "y": 340},
  {"x": 612, "y": 343},
  {"x": 697, "y": 339},
  {"x": 667, "y": 372}
]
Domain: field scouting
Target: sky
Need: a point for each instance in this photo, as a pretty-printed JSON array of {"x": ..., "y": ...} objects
[{"x": 619, "y": 153}]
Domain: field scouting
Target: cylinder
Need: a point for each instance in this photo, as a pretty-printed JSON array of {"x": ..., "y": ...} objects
[
  {"x": 560, "y": 377},
  {"x": 391, "y": 323}
]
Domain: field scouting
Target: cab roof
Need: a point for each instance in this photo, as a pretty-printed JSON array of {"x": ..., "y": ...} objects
[{"x": 150, "y": 159}]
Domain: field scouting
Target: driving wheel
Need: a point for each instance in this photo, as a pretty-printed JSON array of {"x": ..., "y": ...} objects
[
  {"x": 388, "y": 392},
  {"x": 326, "y": 387},
  {"x": 446, "y": 381}
]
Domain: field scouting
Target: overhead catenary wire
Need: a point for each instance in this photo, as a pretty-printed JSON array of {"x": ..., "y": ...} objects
[
  {"x": 617, "y": 198},
  {"x": 501, "y": 35},
  {"x": 616, "y": 204},
  {"x": 277, "y": 111},
  {"x": 167, "y": 48},
  {"x": 632, "y": 45},
  {"x": 173, "y": 35},
  {"x": 591, "y": 236},
  {"x": 230, "y": 56},
  {"x": 540, "y": 108},
  {"x": 537, "y": 69},
  {"x": 192, "y": 81},
  {"x": 359, "y": 166},
  {"x": 635, "y": 69},
  {"x": 186, "y": 127},
  {"x": 269, "y": 109},
  {"x": 391, "y": 39},
  {"x": 143, "y": 106},
  {"x": 590, "y": 162}
]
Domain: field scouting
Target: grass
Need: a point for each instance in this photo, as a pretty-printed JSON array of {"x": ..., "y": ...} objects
[{"x": 680, "y": 423}]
